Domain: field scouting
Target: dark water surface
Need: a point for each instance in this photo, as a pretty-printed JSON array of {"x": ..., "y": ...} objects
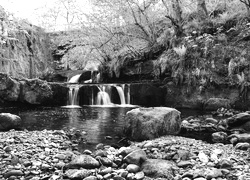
[{"x": 97, "y": 122}]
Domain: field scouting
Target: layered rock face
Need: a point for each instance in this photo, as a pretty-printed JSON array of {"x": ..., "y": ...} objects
[
  {"x": 32, "y": 91},
  {"x": 24, "y": 48},
  {"x": 149, "y": 123}
]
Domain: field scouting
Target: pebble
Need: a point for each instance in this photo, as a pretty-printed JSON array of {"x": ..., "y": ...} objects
[{"x": 47, "y": 154}]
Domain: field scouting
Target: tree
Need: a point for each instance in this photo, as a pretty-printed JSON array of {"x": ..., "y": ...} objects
[
  {"x": 202, "y": 9},
  {"x": 247, "y": 4},
  {"x": 175, "y": 16}
]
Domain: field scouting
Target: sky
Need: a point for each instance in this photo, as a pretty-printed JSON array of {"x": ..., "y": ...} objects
[
  {"x": 24, "y": 8},
  {"x": 27, "y": 9}
]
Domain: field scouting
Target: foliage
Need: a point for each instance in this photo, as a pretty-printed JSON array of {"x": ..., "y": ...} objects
[{"x": 121, "y": 32}]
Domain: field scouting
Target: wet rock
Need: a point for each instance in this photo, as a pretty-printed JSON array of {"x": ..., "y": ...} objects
[
  {"x": 133, "y": 168},
  {"x": 239, "y": 121},
  {"x": 136, "y": 157},
  {"x": 203, "y": 157},
  {"x": 107, "y": 176},
  {"x": 211, "y": 120},
  {"x": 183, "y": 164},
  {"x": 116, "y": 177},
  {"x": 84, "y": 161},
  {"x": 245, "y": 137},
  {"x": 139, "y": 176},
  {"x": 9, "y": 121},
  {"x": 149, "y": 123},
  {"x": 213, "y": 173},
  {"x": 7, "y": 149},
  {"x": 104, "y": 161},
  {"x": 99, "y": 146},
  {"x": 183, "y": 154},
  {"x": 219, "y": 137},
  {"x": 13, "y": 173},
  {"x": 158, "y": 168},
  {"x": 77, "y": 174},
  {"x": 106, "y": 171},
  {"x": 90, "y": 178},
  {"x": 242, "y": 146},
  {"x": 225, "y": 164},
  {"x": 213, "y": 104}
]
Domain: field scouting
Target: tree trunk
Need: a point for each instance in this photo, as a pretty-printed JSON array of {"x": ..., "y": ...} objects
[
  {"x": 177, "y": 12},
  {"x": 202, "y": 9}
]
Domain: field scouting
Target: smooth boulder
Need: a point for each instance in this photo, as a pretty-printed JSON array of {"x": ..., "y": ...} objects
[
  {"x": 9, "y": 121},
  {"x": 150, "y": 123}
]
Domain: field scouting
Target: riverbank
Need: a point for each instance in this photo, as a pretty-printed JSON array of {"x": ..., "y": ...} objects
[{"x": 52, "y": 155}]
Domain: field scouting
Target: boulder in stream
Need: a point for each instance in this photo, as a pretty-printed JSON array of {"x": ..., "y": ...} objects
[
  {"x": 150, "y": 123},
  {"x": 9, "y": 121}
]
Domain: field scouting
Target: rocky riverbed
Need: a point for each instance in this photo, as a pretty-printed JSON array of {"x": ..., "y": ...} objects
[{"x": 52, "y": 155}]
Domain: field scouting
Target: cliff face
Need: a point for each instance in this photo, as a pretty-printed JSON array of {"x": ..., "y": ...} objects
[{"x": 24, "y": 48}]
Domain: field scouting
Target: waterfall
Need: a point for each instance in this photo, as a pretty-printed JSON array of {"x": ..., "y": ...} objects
[
  {"x": 128, "y": 94},
  {"x": 74, "y": 79},
  {"x": 98, "y": 95},
  {"x": 73, "y": 95},
  {"x": 120, "y": 91},
  {"x": 103, "y": 97}
]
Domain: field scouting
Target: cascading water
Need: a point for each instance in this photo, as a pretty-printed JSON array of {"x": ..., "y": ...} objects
[
  {"x": 98, "y": 95},
  {"x": 103, "y": 98},
  {"x": 120, "y": 91},
  {"x": 73, "y": 95},
  {"x": 74, "y": 79}
]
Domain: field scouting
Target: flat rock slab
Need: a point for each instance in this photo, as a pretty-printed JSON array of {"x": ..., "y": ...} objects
[{"x": 150, "y": 123}]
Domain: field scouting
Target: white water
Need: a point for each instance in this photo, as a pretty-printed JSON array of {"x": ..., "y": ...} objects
[
  {"x": 103, "y": 97},
  {"x": 120, "y": 91},
  {"x": 73, "y": 95},
  {"x": 74, "y": 79},
  {"x": 128, "y": 94}
]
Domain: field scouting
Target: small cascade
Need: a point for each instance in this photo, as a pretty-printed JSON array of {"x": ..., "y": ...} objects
[
  {"x": 120, "y": 91},
  {"x": 73, "y": 95},
  {"x": 128, "y": 94},
  {"x": 98, "y": 95},
  {"x": 74, "y": 79},
  {"x": 103, "y": 97},
  {"x": 73, "y": 100}
]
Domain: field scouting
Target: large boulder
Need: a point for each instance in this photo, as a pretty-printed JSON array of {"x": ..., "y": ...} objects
[
  {"x": 239, "y": 122},
  {"x": 216, "y": 103},
  {"x": 9, "y": 121},
  {"x": 150, "y": 123},
  {"x": 36, "y": 91},
  {"x": 9, "y": 88}
]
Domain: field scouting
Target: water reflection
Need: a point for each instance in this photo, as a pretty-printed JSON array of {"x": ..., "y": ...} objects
[{"x": 97, "y": 122}]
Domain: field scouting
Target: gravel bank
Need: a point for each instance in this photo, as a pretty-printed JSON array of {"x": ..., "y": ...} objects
[{"x": 51, "y": 155}]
